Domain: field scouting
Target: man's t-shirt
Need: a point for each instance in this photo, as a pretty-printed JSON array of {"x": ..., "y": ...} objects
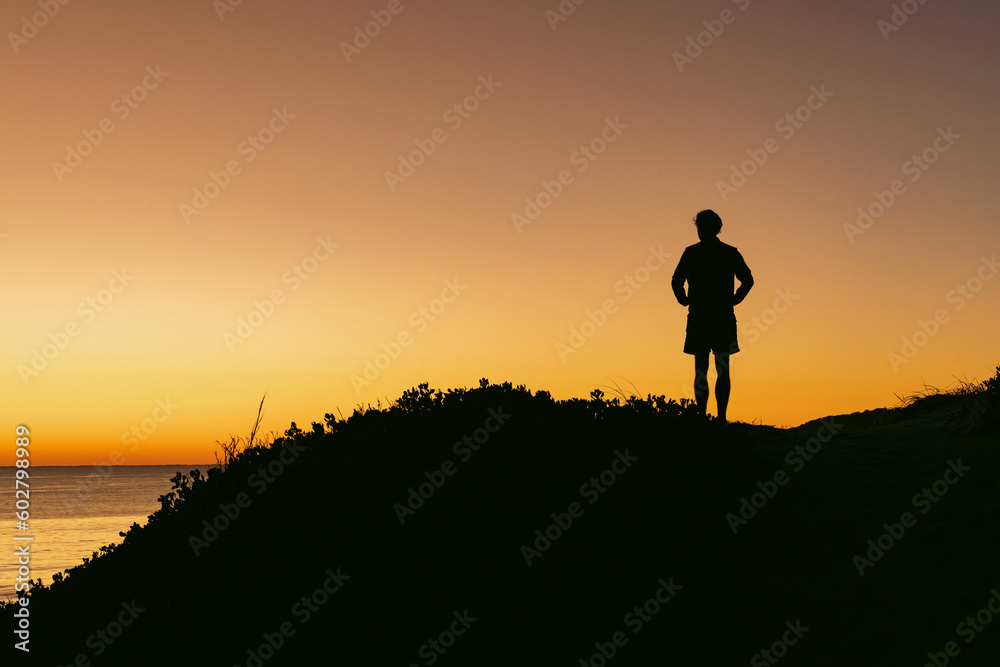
[{"x": 709, "y": 267}]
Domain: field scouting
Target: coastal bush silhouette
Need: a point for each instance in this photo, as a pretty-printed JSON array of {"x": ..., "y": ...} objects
[{"x": 229, "y": 555}]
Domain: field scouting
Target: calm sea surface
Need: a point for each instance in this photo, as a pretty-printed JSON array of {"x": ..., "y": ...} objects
[{"x": 75, "y": 510}]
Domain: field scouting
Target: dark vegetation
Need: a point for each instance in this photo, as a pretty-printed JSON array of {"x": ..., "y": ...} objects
[{"x": 326, "y": 498}]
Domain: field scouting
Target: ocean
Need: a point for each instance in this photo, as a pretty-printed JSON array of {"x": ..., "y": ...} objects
[{"x": 75, "y": 510}]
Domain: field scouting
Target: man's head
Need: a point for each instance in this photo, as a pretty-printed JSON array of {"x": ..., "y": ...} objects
[{"x": 709, "y": 224}]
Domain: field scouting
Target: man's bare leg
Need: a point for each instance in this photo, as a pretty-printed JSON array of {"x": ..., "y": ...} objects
[
  {"x": 722, "y": 384},
  {"x": 701, "y": 381}
]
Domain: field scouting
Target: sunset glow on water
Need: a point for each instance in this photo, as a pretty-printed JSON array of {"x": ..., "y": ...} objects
[{"x": 77, "y": 510}]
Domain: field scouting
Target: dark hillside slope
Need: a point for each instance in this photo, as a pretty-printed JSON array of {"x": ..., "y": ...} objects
[{"x": 634, "y": 504}]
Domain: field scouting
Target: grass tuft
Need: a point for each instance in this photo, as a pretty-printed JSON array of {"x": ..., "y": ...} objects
[{"x": 237, "y": 445}]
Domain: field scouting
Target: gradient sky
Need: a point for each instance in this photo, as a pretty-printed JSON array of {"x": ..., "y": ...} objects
[{"x": 153, "y": 353}]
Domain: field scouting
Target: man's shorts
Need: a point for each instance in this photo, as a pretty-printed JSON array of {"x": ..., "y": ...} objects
[{"x": 711, "y": 331}]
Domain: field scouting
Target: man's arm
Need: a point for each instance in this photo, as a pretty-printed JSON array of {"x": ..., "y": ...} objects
[
  {"x": 677, "y": 281},
  {"x": 743, "y": 274}
]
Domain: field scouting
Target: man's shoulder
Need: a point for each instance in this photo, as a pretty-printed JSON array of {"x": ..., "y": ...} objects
[
  {"x": 731, "y": 252},
  {"x": 711, "y": 246}
]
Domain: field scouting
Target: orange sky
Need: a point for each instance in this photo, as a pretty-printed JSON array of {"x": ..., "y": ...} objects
[{"x": 124, "y": 289}]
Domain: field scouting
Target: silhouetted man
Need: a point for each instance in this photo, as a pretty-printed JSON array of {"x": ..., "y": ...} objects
[{"x": 709, "y": 268}]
